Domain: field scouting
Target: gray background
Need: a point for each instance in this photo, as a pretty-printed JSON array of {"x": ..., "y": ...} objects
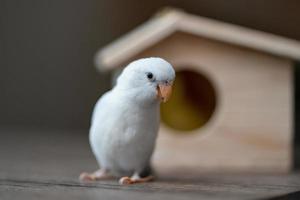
[{"x": 47, "y": 76}]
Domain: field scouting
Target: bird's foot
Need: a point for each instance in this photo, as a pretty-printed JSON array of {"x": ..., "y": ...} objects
[
  {"x": 97, "y": 175},
  {"x": 134, "y": 179}
]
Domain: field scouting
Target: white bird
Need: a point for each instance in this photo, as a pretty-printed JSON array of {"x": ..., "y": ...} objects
[{"x": 125, "y": 121}]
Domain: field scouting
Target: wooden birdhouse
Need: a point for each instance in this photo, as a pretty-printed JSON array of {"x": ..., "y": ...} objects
[{"x": 232, "y": 103}]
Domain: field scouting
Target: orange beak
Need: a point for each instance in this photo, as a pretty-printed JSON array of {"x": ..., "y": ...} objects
[{"x": 164, "y": 92}]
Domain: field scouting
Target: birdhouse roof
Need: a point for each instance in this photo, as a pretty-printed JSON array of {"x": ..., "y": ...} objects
[{"x": 169, "y": 21}]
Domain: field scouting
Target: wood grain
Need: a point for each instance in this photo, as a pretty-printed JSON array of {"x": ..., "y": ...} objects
[
  {"x": 168, "y": 22},
  {"x": 45, "y": 165},
  {"x": 251, "y": 128},
  {"x": 251, "y": 71}
]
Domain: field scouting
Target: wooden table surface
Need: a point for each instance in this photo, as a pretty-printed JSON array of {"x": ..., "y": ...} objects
[{"x": 46, "y": 164}]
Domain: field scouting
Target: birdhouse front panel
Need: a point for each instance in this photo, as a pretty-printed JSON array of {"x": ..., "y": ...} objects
[{"x": 231, "y": 109}]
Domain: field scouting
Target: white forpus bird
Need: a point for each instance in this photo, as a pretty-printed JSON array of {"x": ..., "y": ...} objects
[{"x": 125, "y": 121}]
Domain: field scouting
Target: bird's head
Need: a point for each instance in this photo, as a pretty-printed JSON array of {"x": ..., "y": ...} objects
[{"x": 149, "y": 78}]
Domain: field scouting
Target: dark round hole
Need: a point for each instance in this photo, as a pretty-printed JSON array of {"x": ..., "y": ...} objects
[{"x": 192, "y": 103}]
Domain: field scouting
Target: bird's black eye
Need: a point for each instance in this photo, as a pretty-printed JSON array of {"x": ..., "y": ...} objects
[{"x": 150, "y": 76}]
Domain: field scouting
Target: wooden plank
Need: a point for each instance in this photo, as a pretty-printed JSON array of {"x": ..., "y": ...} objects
[
  {"x": 241, "y": 36},
  {"x": 210, "y": 187},
  {"x": 158, "y": 28},
  {"x": 45, "y": 165}
]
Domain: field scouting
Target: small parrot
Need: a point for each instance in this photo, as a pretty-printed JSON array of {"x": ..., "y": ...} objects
[{"x": 125, "y": 121}]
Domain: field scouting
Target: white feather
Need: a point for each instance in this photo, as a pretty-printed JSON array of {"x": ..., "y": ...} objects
[{"x": 125, "y": 120}]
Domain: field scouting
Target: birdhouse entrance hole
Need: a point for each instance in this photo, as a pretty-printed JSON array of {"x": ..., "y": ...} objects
[{"x": 192, "y": 103}]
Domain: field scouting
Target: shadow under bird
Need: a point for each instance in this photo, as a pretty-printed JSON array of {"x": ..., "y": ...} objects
[{"x": 125, "y": 122}]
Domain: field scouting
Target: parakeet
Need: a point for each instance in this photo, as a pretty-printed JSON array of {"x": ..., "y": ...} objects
[{"x": 125, "y": 121}]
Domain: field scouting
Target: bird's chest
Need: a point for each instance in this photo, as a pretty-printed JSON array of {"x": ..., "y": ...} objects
[
  {"x": 133, "y": 127},
  {"x": 131, "y": 139}
]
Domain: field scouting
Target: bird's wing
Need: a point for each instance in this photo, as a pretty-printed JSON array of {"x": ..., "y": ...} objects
[{"x": 101, "y": 105}]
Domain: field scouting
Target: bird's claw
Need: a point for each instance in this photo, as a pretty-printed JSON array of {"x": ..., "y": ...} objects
[
  {"x": 126, "y": 181},
  {"x": 84, "y": 176}
]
